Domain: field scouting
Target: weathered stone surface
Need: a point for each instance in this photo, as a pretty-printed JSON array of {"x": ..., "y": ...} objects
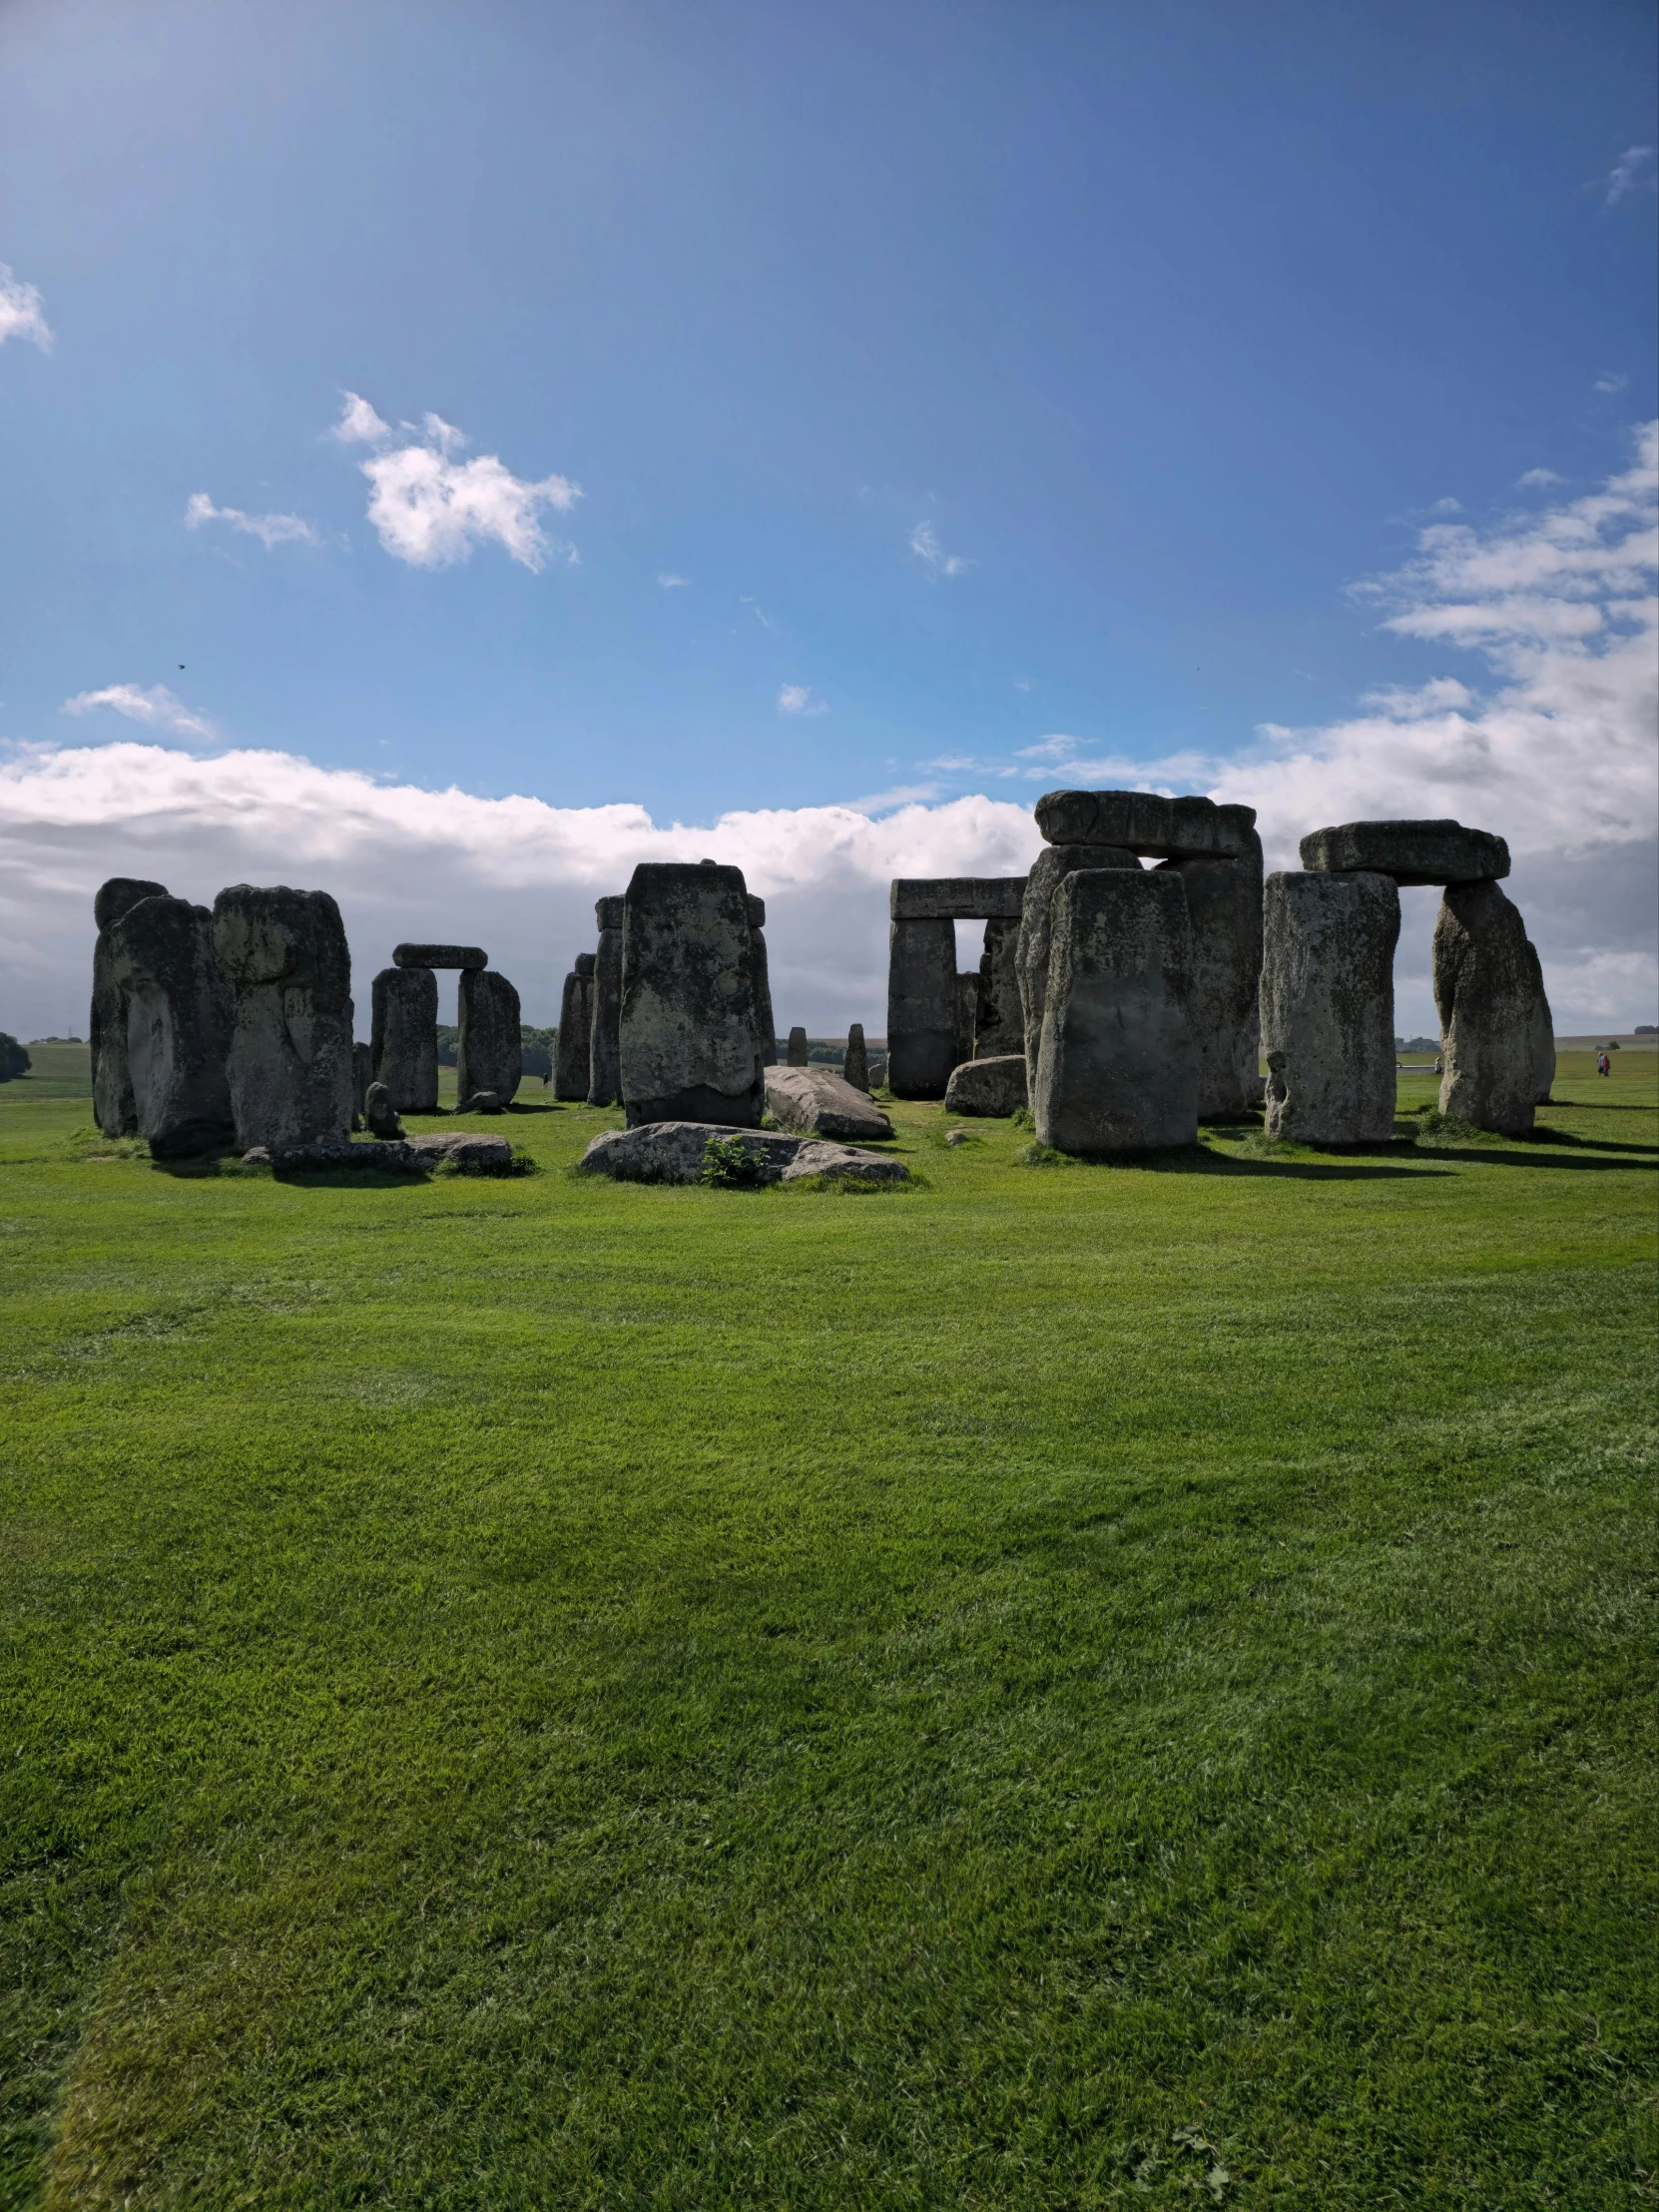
[
  {"x": 405, "y": 1029},
  {"x": 465, "y": 1149},
  {"x": 379, "y": 1114},
  {"x": 691, "y": 1027},
  {"x": 604, "y": 1025},
  {"x": 1223, "y": 903},
  {"x": 440, "y": 956},
  {"x": 999, "y": 1026},
  {"x": 285, "y": 956},
  {"x": 1117, "y": 1070},
  {"x": 956, "y": 898},
  {"x": 573, "y": 1046},
  {"x": 818, "y": 1102},
  {"x": 481, "y": 1102},
  {"x": 1051, "y": 865},
  {"x": 161, "y": 962},
  {"x": 922, "y": 1007},
  {"x": 1489, "y": 989},
  {"x": 1327, "y": 1006},
  {"x": 363, "y": 1074},
  {"x": 489, "y": 1052},
  {"x": 1145, "y": 822},
  {"x": 766, "y": 1028},
  {"x": 855, "y": 1060},
  {"x": 799, "y": 1056},
  {"x": 997, "y": 1087},
  {"x": 1409, "y": 852},
  {"x": 1543, "y": 1047},
  {"x": 113, "y": 1106},
  {"x": 967, "y": 1007},
  {"x": 672, "y": 1151}
]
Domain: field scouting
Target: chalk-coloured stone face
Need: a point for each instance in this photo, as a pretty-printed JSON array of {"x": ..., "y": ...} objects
[
  {"x": 690, "y": 1023},
  {"x": 817, "y": 1102},
  {"x": 1117, "y": 1070},
  {"x": 285, "y": 956},
  {"x": 406, "y": 1035},
  {"x": 489, "y": 1051},
  {"x": 572, "y": 1050},
  {"x": 160, "y": 960},
  {"x": 604, "y": 1025},
  {"x": 922, "y": 1007},
  {"x": 1145, "y": 822},
  {"x": 798, "y": 1057},
  {"x": 855, "y": 1060},
  {"x": 439, "y": 957},
  {"x": 1223, "y": 903},
  {"x": 1328, "y": 1007},
  {"x": 997, "y": 1087},
  {"x": 1409, "y": 852},
  {"x": 1489, "y": 989},
  {"x": 1051, "y": 865},
  {"x": 112, "y": 1089}
]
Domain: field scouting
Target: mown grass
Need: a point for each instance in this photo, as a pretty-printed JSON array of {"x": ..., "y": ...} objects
[{"x": 1066, "y": 1687}]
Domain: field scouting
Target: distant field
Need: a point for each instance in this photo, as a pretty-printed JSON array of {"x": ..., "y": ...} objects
[{"x": 1064, "y": 1687}]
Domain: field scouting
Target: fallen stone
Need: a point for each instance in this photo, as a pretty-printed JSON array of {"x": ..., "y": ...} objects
[
  {"x": 471, "y": 1153},
  {"x": 440, "y": 956},
  {"x": 956, "y": 1137},
  {"x": 855, "y": 1059},
  {"x": 1328, "y": 1007},
  {"x": 605, "y": 1023},
  {"x": 1189, "y": 829},
  {"x": 482, "y": 1102},
  {"x": 999, "y": 1026},
  {"x": 1489, "y": 989},
  {"x": 691, "y": 1027},
  {"x": 113, "y": 1104},
  {"x": 840, "y": 1163},
  {"x": 1223, "y": 904},
  {"x": 673, "y": 1152},
  {"x": 1117, "y": 1070},
  {"x": 379, "y": 1114},
  {"x": 1052, "y": 865},
  {"x": 489, "y": 1051},
  {"x": 956, "y": 898},
  {"x": 922, "y": 1007},
  {"x": 285, "y": 956},
  {"x": 799, "y": 1056},
  {"x": 989, "y": 1087},
  {"x": 1409, "y": 852},
  {"x": 573, "y": 1046},
  {"x": 405, "y": 1029},
  {"x": 178, "y": 1015},
  {"x": 817, "y": 1101}
]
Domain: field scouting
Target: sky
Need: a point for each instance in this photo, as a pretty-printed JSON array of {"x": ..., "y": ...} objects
[{"x": 453, "y": 452}]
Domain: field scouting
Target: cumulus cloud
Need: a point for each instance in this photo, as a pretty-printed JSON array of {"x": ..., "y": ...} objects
[
  {"x": 925, "y": 544},
  {"x": 430, "y": 509},
  {"x": 359, "y": 422},
  {"x": 1539, "y": 479},
  {"x": 673, "y": 583},
  {"x": 271, "y": 530},
  {"x": 796, "y": 699},
  {"x": 1611, "y": 380},
  {"x": 154, "y": 705},
  {"x": 22, "y": 312},
  {"x": 1634, "y": 165}
]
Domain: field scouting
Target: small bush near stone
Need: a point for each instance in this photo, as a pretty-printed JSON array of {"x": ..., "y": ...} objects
[
  {"x": 729, "y": 1165},
  {"x": 1437, "y": 1130},
  {"x": 1022, "y": 1118},
  {"x": 1042, "y": 1156}
]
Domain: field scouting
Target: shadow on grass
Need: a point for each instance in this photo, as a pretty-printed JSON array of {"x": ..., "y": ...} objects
[
  {"x": 1200, "y": 1160},
  {"x": 1544, "y": 1156}
]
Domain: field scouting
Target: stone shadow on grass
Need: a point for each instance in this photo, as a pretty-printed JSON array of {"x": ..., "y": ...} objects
[{"x": 1200, "y": 1160}]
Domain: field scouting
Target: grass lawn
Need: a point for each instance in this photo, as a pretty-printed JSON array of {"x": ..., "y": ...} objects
[{"x": 1068, "y": 1686}]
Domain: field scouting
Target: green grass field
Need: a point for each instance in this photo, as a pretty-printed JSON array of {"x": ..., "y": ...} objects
[{"x": 1067, "y": 1686}]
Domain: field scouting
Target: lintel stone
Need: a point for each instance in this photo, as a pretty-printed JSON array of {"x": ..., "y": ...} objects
[
  {"x": 441, "y": 955},
  {"x": 956, "y": 898}
]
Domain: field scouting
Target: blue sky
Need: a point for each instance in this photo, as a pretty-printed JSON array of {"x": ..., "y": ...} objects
[{"x": 995, "y": 379}]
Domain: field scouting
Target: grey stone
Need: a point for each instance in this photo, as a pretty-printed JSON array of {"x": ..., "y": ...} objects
[
  {"x": 1327, "y": 1006},
  {"x": 160, "y": 962},
  {"x": 440, "y": 956},
  {"x": 799, "y": 1056},
  {"x": 1410, "y": 852},
  {"x": 673, "y": 1152},
  {"x": 465, "y": 1149},
  {"x": 489, "y": 1051},
  {"x": 586, "y": 962},
  {"x": 1489, "y": 989},
  {"x": 996, "y": 1087},
  {"x": 855, "y": 1060},
  {"x": 1189, "y": 829},
  {"x": 285, "y": 956},
  {"x": 1223, "y": 903},
  {"x": 1051, "y": 866},
  {"x": 1543, "y": 1047},
  {"x": 405, "y": 1029},
  {"x": 120, "y": 896},
  {"x": 363, "y": 1074},
  {"x": 766, "y": 1028},
  {"x": 956, "y": 898},
  {"x": 922, "y": 1007},
  {"x": 965, "y": 1004},
  {"x": 113, "y": 1105},
  {"x": 573, "y": 1046},
  {"x": 605, "y": 1023},
  {"x": 481, "y": 1102},
  {"x": 818, "y": 1102},
  {"x": 379, "y": 1114},
  {"x": 999, "y": 1028},
  {"x": 691, "y": 1027},
  {"x": 955, "y": 1137},
  {"x": 1117, "y": 1070}
]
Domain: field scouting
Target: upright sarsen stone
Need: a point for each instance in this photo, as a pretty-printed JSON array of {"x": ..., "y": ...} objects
[
  {"x": 363, "y": 1074},
  {"x": 489, "y": 1051},
  {"x": 855, "y": 1060},
  {"x": 922, "y": 1007},
  {"x": 798, "y": 1057},
  {"x": 1223, "y": 903},
  {"x": 1051, "y": 865},
  {"x": 1489, "y": 989},
  {"x": 404, "y": 1034},
  {"x": 285, "y": 956},
  {"x": 967, "y": 1015},
  {"x": 766, "y": 1028},
  {"x": 1327, "y": 1006},
  {"x": 572, "y": 1069},
  {"x": 1117, "y": 1070},
  {"x": 113, "y": 1106},
  {"x": 605, "y": 1031},
  {"x": 999, "y": 1028},
  {"x": 178, "y": 1011},
  {"x": 690, "y": 1024}
]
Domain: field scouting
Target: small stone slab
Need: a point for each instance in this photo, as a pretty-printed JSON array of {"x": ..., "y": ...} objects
[
  {"x": 956, "y": 898},
  {"x": 441, "y": 955},
  {"x": 817, "y": 1102},
  {"x": 672, "y": 1151},
  {"x": 994, "y": 1087},
  {"x": 1409, "y": 852},
  {"x": 1187, "y": 828},
  {"x": 477, "y": 1155}
]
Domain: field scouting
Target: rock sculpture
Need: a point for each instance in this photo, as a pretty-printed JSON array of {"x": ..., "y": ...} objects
[
  {"x": 605, "y": 1030},
  {"x": 673, "y": 1152},
  {"x": 1409, "y": 852},
  {"x": 1117, "y": 1068},
  {"x": 572, "y": 1074},
  {"x": 113, "y": 1105},
  {"x": 1223, "y": 903},
  {"x": 1327, "y": 1006},
  {"x": 160, "y": 960},
  {"x": 489, "y": 1051},
  {"x": 855, "y": 1060},
  {"x": 996, "y": 1087},
  {"x": 817, "y": 1102},
  {"x": 690, "y": 1023},
  {"x": 765, "y": 1032},
  {"x": 380, "y": 1115},
  {"x": 1489, "y": 989},
  {"x": 798, "y": 1055},
  {"x": 285, "y": 956},
  {"x": 1052, "y": 865},
  {"x": 404, "y": 1030},
  {"x": 924, "y": 1021}
]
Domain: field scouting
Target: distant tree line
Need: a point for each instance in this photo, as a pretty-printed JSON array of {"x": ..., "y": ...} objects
[{"x": 538, "y": 1048}]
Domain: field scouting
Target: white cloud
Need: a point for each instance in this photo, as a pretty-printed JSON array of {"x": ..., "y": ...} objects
[
  {"x": 1627, "y": 172},
  {"x": 796, "y": 699},
  {"x": 1446, "y": 506},
  {"x": 1612, "y": 380},
  {"x": 673, "y": 583},
  {"x": 925, "y": 544},
  {"x": 269, "y": 529},
  {"x": 359, "y": 421},
  {"x": 759, "y": 612},
  {"x": 1539, "y": 479},
  {"x": 430, "y": 509},
  {"x": 154, "y": 705},
  {"x": 22, "y": 312}
]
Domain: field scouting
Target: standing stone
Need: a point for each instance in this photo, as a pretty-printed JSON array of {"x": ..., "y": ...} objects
[
  {"x": 160, "y": 960},
  {"x": 798, "y": 1055},
  {"x": 113, "y": 1105},
  {"x": 1000, "y": 1025},
  {"x": 605, "y": 1032},
  {"x": 572, "y": 1071},
  {"x": 1117, "y": 1070},
  {"x": 967, "y": 1007},
  {"x": 1328, "y": 1007},
  {"x": 766, "y": 1028},
  {"x": 1224, "y": 902},
  {"x": 690, "y": 1022},
  {"x": 1489, "y": 989},
  {"x": 922, "y": 1007},
  {"x": 489, "y": 1052},
  {"x": 405, "y": 1033},
  {"x": 284, "y": 954},
  {"x": 363, "y": 1074},
  {"x": 382, "y": 1115},
  {"x": 1543, "y": 1046},
  {"x": 995, "y": 1086},
  {"x": 1051, "y": 866},
  {"x": 855, "y": 1060}
]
